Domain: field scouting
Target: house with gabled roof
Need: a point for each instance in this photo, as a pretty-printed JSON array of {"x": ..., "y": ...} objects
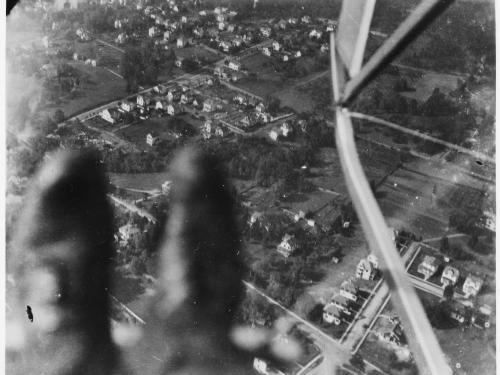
[
  {"x": 127, "y": 106},
  {"x": 472, "y": 285},
  {"x": 153, "y": 31},
  {"x": 288, "y": 245},
  {"x": 182, "y": 41},
  {"x": 234, "y": 65},
  {"x": 365, "y": 270},
  {"x": 110, "y": 115},
  {"x": 332, "y": 314},
  {"x": 282, "y": 24},
  {"x": 208, "y": 105},
  {"x": 265, "y": 31},
  {"x": 428, "y": 267},
  {"x": 343, "y": 304},
  {"x": 349, "y": 290},
  {"x": 450, "y": 276},
  {"x": 152, "y": 138},
  {"x": 172, "y": 110},
  {"x": 315, "y": 34},
  {"x": 198, "y": 32}
]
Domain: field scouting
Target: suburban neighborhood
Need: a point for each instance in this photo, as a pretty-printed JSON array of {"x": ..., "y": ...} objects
[{"x": 249, "y": 82}]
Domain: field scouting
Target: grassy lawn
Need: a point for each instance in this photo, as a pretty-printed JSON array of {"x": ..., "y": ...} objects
[
  {"x": 427, "y": 82},
  {"x": 293, "y": 97},
  {"x": 102, "y": 87},
  {"x": 140, "y": 181},
  {"x": 193, "y": 52},
  {"x": 263, "y": 85}
]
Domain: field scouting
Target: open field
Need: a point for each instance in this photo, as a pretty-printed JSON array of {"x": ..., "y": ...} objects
[
  {"x": 102, "y": 87},
  {"x": 428, "y": 81},
  {"x": 197, "y": 52},
  {"x": 295, "y": 98}
]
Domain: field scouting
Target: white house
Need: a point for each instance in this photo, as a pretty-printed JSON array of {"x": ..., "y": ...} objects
[
  {"x": 160, "y": 104},
  {"x": 265, "y": 31},
  {"x": 151, "y": 139},
  {"x": 208, "y": 105},
  {"x": 107, "y": 115},
  {"x": 305, "y": 19},
  {"x": 343, "y": 304},
  {"x": 276, "y": 45},
  {"x": 121, "y": 38},
  {"x": 472, "y": 285},
  {"x": 315, "y": 34},
  {"x": 171, "y": 110},
  {"x": 260, "y": 366},
  {"x": 240, "y": 99},
  {"x": 428, "y": 266},
  {"x": 234, "y": 65},
  {"x": 140, "y": 101},
  {"x": 224, "y": 45},
  {"x": 181, "y": 42},
  {"x": 288, "y": 245},
  {"x": 365, "y": 270},
  {"x": 332, "y": 314},
  {"x": 198, "y": 32},
  {"x": 127, "y": 106},
  {"x": 450, "y": 276},
  {"x": 349, "y": 290},
  {"x": 219, "y": 131},
  {"x": 266, "y": 51},
  {"x": 273, "y": 134},
  {"x": 285, "y": 129},
  {"x": 300, "y": 215},
  {"x": 372, "y": 258},
  {"x": 153, "y": 31}
]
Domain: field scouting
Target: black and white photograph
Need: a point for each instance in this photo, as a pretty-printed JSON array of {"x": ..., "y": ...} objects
[{"x": 254, "y": 187}]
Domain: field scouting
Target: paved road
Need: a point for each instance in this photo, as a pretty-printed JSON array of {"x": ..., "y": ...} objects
[
  {"x": 372, "y": 309},
  {"x": 112, "y": 137},
  {"x": 110, "y": 45},
  {"x": 334, "y": 354},
  {"x": 242, "y": 90},
  {"x": 141, "y": 212},
  {"x": 475, "y": 154},
  {"x": 311, "y": 79},
  {"x": 426, "y": 286}
]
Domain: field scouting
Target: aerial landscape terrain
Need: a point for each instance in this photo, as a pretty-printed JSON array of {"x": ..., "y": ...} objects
[{"x": 250, "y": 83}]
